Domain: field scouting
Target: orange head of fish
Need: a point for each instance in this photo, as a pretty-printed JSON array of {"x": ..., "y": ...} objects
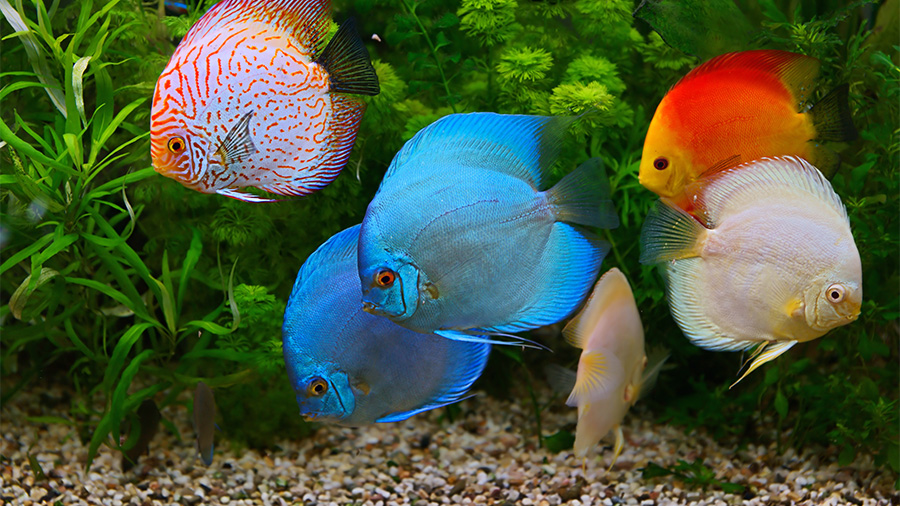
[{"x": 666, "y": 166}]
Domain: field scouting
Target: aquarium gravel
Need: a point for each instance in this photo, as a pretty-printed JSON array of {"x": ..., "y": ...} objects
[{"x": 487, "y": 455}]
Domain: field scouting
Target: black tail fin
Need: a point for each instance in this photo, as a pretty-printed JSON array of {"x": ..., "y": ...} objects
[
  {"x": 347, "y": 62},
  {"x": 831, "y": 116}
]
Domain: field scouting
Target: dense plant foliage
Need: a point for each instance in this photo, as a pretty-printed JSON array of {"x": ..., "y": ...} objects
[{"x": 136, "y": 288}]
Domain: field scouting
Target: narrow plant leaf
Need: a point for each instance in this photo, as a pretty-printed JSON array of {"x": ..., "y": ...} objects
[
  {"x": 20, "y": 296},
  {"x": 78, "y": 85}
]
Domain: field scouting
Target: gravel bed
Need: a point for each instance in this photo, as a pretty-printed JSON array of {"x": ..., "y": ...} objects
[{"x": 489, "y": 456}]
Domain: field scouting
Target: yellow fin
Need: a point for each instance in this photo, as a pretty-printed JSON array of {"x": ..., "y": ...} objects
[
  {"x": 617, "y": 449},
  {"x": 599, "y": 374},
  {"x": 765, "y": 353},
  {"x": 794, "y": 307}
]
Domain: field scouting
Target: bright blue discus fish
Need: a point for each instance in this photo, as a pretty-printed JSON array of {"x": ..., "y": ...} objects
[
  {"x": 463, "y": 236},
  {"x": 352, "y": 368}
]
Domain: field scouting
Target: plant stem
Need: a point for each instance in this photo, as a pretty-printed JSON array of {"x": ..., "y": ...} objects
[{"x": 434, "y": 55}]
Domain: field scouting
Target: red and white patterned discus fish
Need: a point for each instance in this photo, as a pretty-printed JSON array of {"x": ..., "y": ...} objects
[{"x": 246, "y": 102}]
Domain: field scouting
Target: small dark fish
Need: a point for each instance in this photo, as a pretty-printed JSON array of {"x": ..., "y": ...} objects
[
  {"x": 177, "y": 8},
  {"x": 204, "y": 421},
  {"x": 148, "y": 423}
]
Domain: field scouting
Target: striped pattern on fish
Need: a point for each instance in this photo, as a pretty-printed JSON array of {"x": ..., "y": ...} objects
[{"x": 244, "y": 102}]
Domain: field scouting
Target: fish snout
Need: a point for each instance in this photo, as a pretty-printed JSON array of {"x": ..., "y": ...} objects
[{"x": 370, "y": 308}]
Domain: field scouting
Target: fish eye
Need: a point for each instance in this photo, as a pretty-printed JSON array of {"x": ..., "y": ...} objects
[
  {"x": 176, "y": 144},
  {"x": 385, "y": 278},
  {"x": 661, "y": 163},
  {"x": 835, "y": 293},
  {"x": 317, "y": 387}
]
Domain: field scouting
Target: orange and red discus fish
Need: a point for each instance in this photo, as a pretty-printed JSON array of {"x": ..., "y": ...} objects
[
  {"x": 736, "y": 108},
  {"x": 246, "y": 101}
]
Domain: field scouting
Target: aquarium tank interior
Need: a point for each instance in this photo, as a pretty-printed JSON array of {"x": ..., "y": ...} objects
[{"x": 124, "y": 287}]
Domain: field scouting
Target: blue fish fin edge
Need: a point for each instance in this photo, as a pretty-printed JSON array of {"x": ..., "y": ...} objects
[
  {"x": 478, "y": 336},
  {"x": 583, "y": 197},
  {"x": 519, "y": 145},
  {"x": 341, "y": 247},
  {"x": 562, "y": 278},
  {"x": 469, "y": 364}
]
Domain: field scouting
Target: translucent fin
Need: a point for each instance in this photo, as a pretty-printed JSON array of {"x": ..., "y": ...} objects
[
  {"x": 470, "y": 360},
  {"x": 831, "y": 116},
  {"x": 767, "y": 352},
  {"x": 797, "y": 72},
  {"x": 600, "y": 373},
  {"x": 347, "y": 62},
  {"x": 583, "y": 197},
  {"x": 656, "y": 358},
  {"x": 561, "y": 379},
  {"x": 788, "y": 172},
  {"x": 243, "y": 196},
  {"x": 611, "y": 286},
  {"x": 686, "y": 307},
  {"x": 522, "y": 146},
  {"x": 617, "y": 449},
  {"x": 669, "y": 234},
  {"x": 238, "y": 145},
  {"x": 562, "y": 277}
]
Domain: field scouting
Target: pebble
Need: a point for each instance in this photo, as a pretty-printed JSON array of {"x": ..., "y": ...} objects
[{"x": 489, "y": 457}]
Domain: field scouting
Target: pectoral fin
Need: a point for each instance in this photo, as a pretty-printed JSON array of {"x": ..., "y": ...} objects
[
  {"x": 599, "y": 374},
  {"x": 237, "y": 146}
]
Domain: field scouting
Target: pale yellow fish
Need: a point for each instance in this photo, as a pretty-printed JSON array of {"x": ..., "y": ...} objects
[
  {"x": 776, "y": 264},
  {"x": 610, "y": 371}
]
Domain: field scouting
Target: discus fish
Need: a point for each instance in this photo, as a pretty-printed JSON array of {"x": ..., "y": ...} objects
[
  {"x": 777, "y": 264},
  {"x": 352, "y": 368},
  {"x": 739, "y": 107},
  {"x": 204, "y": 421},
  {"x": 611, "y": 370},
  {"x": 463, "y": 238},
  {"x": 246, "y": 102}
]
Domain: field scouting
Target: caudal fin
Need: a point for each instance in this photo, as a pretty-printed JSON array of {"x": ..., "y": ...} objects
[
  {"x": 831, "y": 116},
  {"x": 583, "y": 197},
  {"x": 347, "y": 62}
]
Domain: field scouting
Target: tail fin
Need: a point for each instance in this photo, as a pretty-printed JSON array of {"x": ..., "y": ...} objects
[
  {"x": 347, "y": 62},
  {"x": 583, "y": 197},
  {"x": 831, "y": 116}
]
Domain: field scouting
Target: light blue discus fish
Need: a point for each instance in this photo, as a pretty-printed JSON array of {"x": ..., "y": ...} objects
[
  {"x": 352, "y": 368},
  {"x": 463, "y": 237}
]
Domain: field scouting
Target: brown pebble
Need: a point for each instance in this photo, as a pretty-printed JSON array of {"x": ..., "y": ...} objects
[{"x": 459, "y": 487}]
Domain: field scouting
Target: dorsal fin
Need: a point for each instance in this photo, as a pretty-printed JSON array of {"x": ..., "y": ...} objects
[
  {"x": 796, "y": 71},
  {"x": 336, "y": 250},
  {"x": 786, "y": 172},
  {"x": 519, "y": 145},
  {"x": 307, "y": 20},
  {"x": 611, "y": 286}
]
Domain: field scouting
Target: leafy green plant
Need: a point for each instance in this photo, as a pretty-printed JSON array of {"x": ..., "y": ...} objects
[{"x": 694, "y": 473}]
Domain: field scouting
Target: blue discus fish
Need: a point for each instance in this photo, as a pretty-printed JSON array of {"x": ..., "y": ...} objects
[
  {"x": 463, "y": 237},
  {"x": 352, "y": 368}
]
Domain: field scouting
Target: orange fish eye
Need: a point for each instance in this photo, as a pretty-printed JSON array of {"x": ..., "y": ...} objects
[
  {"x": 317, "y": 387},
  {"x": 176, "y": 144},
  {"x": 661, "y": 163},
  {"x": 835, "y": 293},
  {"x": 385, "y": 278}
]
